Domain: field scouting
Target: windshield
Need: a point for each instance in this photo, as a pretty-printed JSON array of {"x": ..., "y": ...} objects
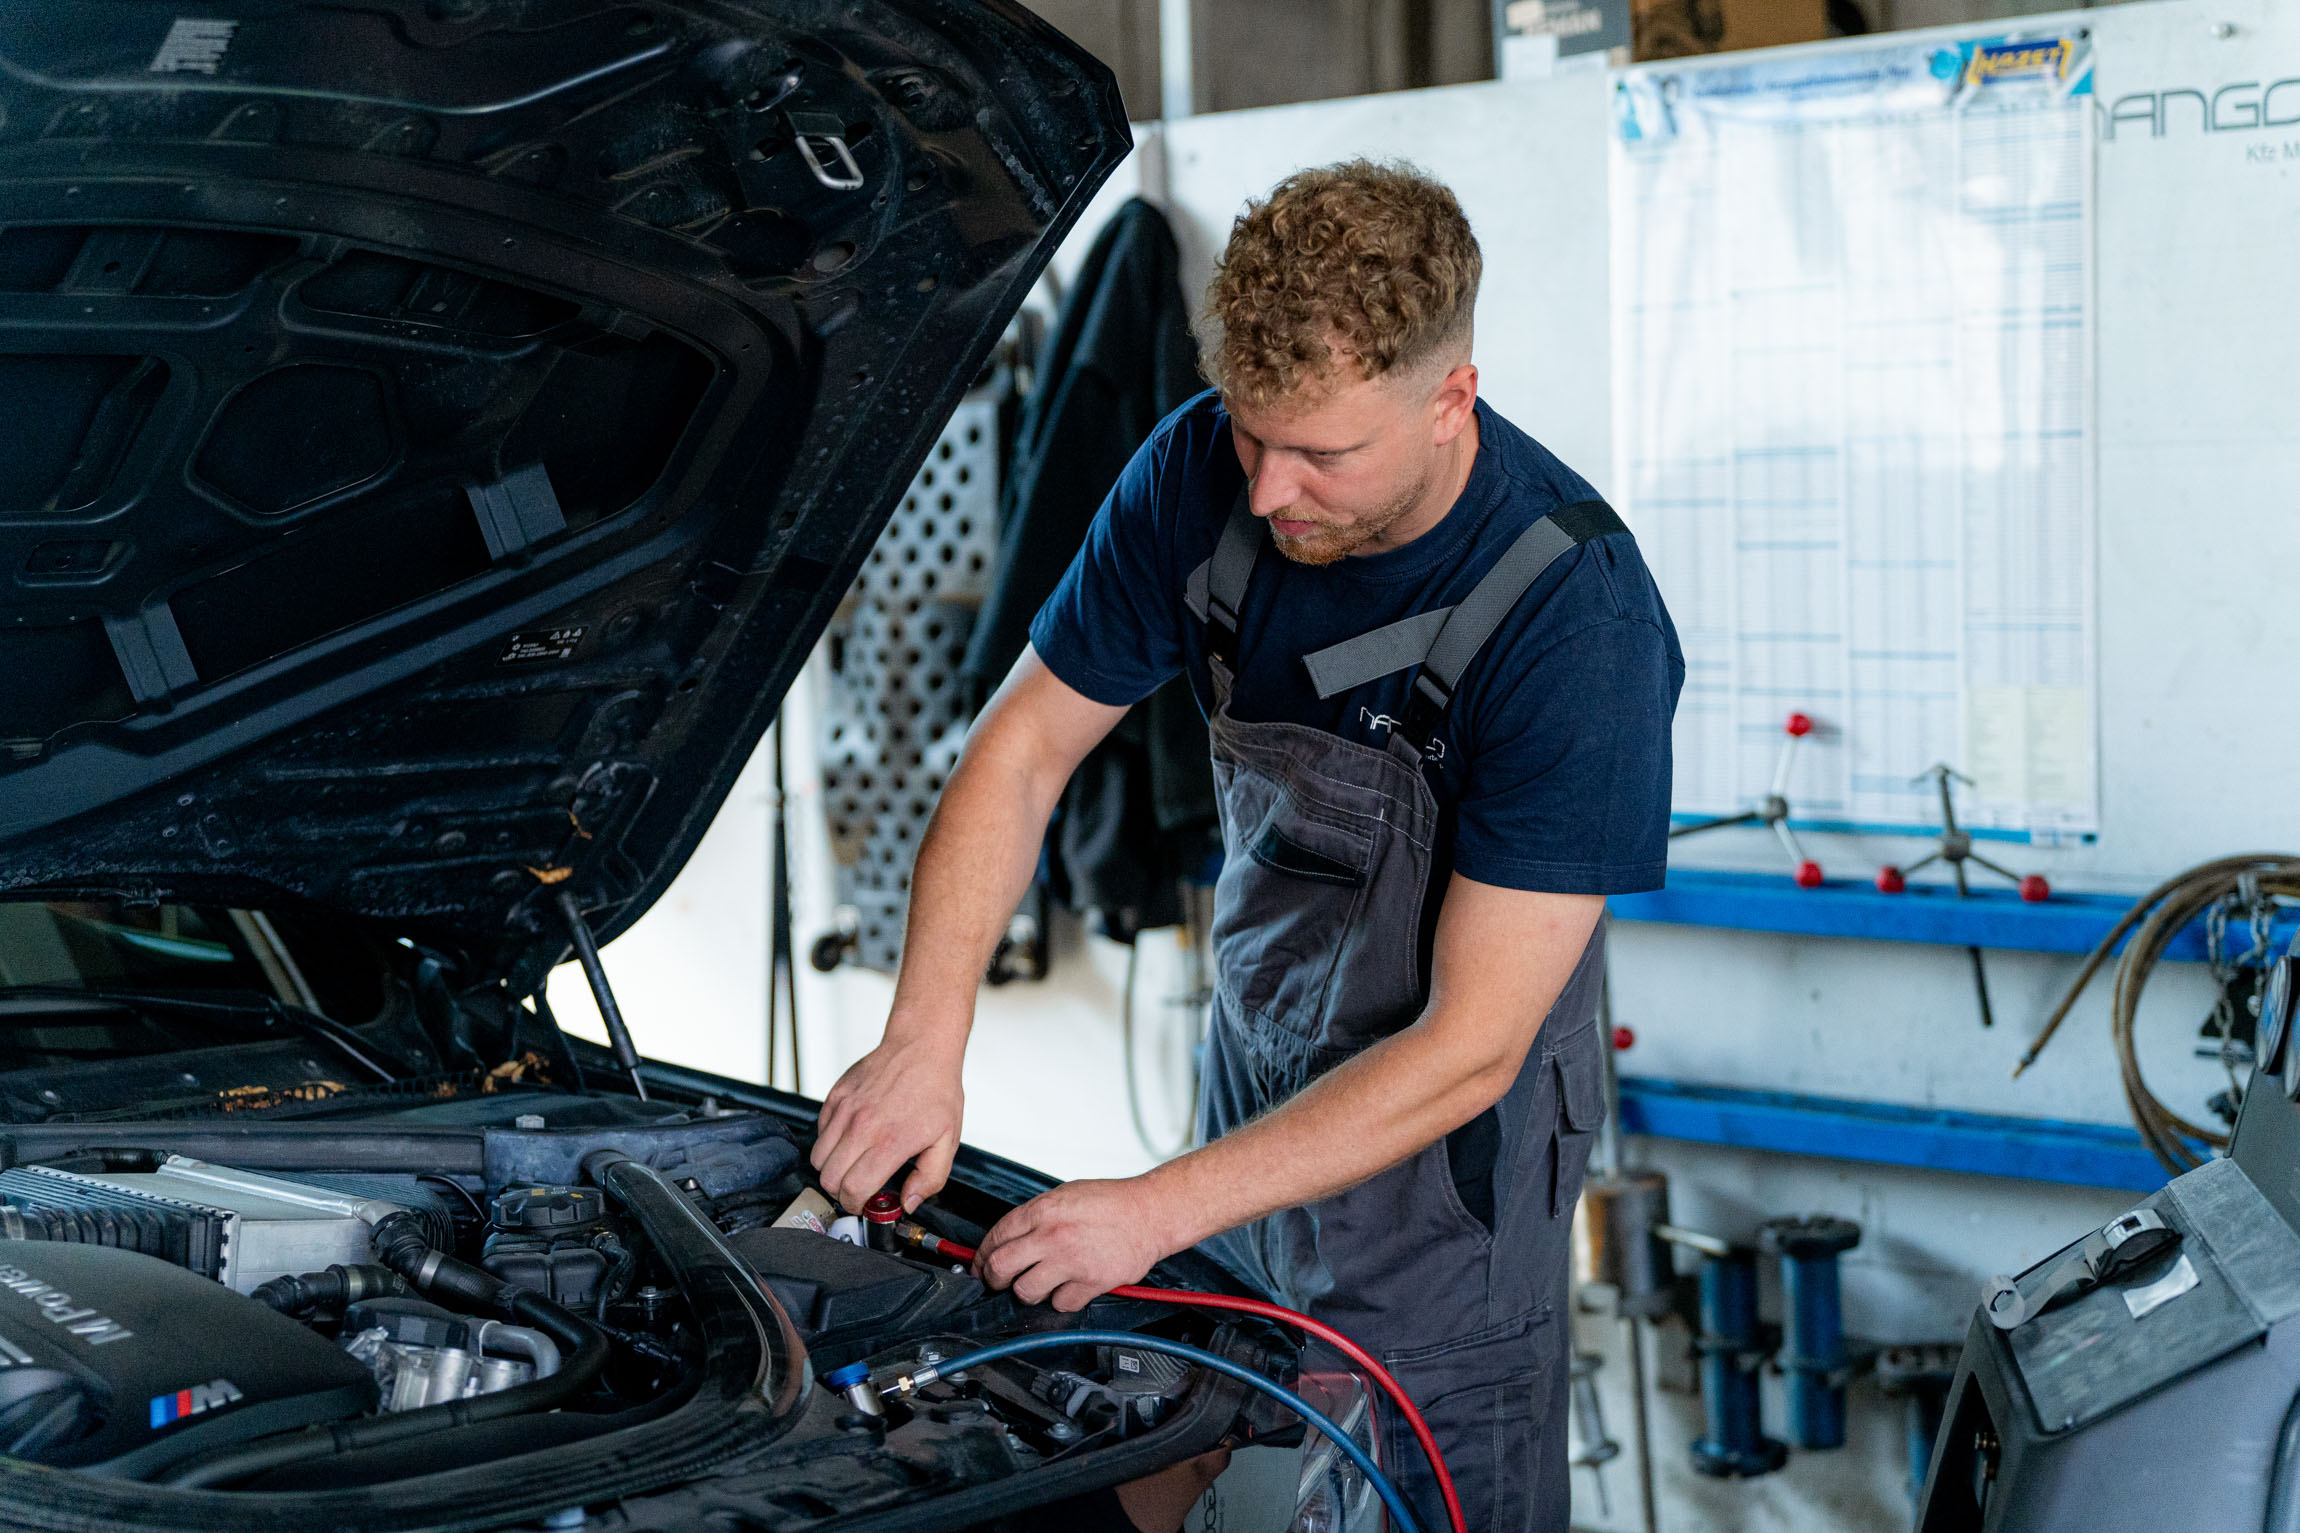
[
  {"x": 157, "y": 979},
  {"x": 109, "y": 945}
]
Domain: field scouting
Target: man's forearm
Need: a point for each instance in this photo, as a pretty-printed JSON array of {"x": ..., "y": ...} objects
[
  {"x": 1364, "y": 1116},
  {"x": 1407, "y": 1091},
  {"x": 973, "y": 866},
  {"x": 1502, "y": 958}
]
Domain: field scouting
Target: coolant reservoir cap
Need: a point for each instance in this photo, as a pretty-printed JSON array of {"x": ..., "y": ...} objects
[{"x": 548, "y": 1208}]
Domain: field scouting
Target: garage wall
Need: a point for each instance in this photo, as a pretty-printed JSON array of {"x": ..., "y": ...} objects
[{"x": 2199, "y": 542}]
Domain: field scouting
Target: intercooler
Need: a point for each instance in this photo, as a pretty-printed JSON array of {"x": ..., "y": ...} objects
[{"x": 237, "y": 1227}]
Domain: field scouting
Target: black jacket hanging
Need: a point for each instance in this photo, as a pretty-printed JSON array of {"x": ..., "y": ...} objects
[{"x": 1139, "y": 815}]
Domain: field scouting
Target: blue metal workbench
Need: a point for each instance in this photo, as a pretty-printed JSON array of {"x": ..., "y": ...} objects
[
  {"x": 2041, "y": 1149},
  {"x": 1936, "y": 1139},
  {"x": 1990, "y": 918}
]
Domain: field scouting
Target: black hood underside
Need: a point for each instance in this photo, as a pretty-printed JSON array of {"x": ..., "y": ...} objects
[{"x": 435, "y": 431}]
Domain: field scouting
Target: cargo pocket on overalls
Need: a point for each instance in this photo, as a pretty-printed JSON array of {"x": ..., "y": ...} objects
[
  {"x": 1286, "y": 909},
  {"x": 1580, "y": 1110},
  {"x": 1487, "y": 1399}
]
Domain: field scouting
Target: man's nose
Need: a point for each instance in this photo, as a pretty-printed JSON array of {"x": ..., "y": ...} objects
[{"x": 1273, "y": 489}]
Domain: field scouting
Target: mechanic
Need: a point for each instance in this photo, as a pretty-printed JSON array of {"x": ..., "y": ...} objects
[{"x": 1439, "y": 683}]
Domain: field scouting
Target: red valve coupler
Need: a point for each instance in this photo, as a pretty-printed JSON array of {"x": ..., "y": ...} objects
[{"x": 879, "y": 1217}]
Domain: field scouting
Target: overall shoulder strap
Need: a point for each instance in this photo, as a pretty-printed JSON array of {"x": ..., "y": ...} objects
[
  {"x": 1473, "y": 620},
  {"x": 1444, "y": 640},
  {"x": 1411, "y": 641},
  {"x": 1216, "y": 589}
]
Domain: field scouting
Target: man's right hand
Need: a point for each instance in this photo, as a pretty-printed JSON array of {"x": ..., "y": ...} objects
[{"x": 901, "y": 1101}]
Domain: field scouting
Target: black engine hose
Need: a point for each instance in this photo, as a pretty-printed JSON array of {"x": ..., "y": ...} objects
[
  {"x": 336, "y": 1288},
  {"x": 732, "y": 1311},
  {"x": 622, "y": 1262},
  {"x": 404, "y": 1244}
]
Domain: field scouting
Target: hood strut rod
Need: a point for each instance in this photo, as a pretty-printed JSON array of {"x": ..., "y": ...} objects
[{"x": 587, "y": 953}]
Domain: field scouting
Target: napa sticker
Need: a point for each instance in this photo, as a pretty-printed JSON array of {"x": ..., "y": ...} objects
[{"x": 194, "y": 1401}]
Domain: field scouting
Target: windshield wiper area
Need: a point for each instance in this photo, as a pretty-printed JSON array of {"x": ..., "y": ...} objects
[{"x": 268, "y": 1010}]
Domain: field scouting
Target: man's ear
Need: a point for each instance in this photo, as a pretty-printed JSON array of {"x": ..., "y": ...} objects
[{"x": 1453, "y": 403}]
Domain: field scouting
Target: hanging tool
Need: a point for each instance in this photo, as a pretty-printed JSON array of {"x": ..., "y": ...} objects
[
  {"x": 587, "y": 953},
  {"x": 1188, "y": 1009},
  {"x": 1956, "y": 849},
  {"x": 1592, "y": 1449},
  {"x": 1773, "y": 813},
  {"x": 1616, "y": 1247}
]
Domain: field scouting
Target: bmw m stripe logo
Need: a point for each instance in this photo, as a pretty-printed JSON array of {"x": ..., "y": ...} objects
[{"x": 192, "y": 1401}]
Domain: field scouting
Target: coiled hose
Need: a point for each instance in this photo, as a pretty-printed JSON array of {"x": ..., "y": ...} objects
[{"x": 2159, "y": 916}]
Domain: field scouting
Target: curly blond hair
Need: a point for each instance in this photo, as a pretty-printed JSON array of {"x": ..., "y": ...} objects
[{"x": 1375, "y": 262}]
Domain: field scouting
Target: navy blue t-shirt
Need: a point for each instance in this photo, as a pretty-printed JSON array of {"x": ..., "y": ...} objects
[{"x": 1556, "y": 760}]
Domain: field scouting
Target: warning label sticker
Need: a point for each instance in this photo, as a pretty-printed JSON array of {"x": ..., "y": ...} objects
[{"x": 541, "y": 644}]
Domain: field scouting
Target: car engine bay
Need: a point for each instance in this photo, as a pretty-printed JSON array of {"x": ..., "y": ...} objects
[{"x": 344, "y": 1329}]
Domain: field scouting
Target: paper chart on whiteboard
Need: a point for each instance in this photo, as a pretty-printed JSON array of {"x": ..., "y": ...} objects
[{"x": 1853, "y": 339}]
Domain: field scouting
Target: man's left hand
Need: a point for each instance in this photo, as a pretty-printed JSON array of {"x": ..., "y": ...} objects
[{"x": 1076, "y": 1243}]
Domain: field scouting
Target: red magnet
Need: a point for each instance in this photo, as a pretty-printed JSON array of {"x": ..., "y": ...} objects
[
  {"x": 1623, "y": 1040},
  {"x": 1808, "y": 875},
  {"x": 1891, "y": 880},
  {"x": 1799, "y": 725},
  {"x": 2034, "y": 889}
]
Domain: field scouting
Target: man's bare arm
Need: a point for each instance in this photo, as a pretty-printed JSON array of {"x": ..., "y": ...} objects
[
  {"x": 1502, "y": 958},
  {"x": 903, "y": 1100}
]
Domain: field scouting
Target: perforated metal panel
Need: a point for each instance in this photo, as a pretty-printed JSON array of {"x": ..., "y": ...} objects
[{"x": 893, "y": 721}]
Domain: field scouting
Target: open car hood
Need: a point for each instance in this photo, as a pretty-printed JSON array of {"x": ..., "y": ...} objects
[{"x": 436, "y": 431}]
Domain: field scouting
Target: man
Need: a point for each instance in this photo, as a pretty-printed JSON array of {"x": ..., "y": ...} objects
[{"x": 1439, "y": 683}]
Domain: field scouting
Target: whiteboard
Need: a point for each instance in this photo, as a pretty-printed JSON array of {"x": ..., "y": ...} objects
[{"x": 1853, "y": 415}]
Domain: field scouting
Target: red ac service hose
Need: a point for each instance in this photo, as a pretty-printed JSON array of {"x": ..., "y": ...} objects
[
  {"x": 1340, "y": 1343},
  {"x": 1284, "y": 1316}
]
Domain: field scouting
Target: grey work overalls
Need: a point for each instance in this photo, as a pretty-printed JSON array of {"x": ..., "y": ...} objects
[{"x": 1317, "y": 940}]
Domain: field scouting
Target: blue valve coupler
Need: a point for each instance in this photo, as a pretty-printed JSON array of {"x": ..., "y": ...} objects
[
  {"x": 1813, "y": 1356},
  {"x": 853, "y": 1381}
]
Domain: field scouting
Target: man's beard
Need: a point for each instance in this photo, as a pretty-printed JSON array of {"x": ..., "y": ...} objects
[{"x": 1330, "y": 545}]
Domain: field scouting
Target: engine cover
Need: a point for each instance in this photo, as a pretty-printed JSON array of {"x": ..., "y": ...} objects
[{"x": 121, "y": 1363}]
